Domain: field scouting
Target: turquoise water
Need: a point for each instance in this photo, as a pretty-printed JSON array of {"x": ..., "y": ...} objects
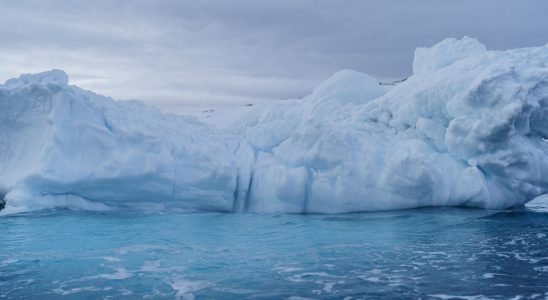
[{"x": 423, "y": 253}]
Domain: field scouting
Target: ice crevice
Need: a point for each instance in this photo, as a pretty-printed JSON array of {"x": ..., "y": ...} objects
[{"x": 467, "y": 128}]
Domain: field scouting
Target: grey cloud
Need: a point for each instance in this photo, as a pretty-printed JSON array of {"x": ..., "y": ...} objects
[{"x": 176, "y": 53}]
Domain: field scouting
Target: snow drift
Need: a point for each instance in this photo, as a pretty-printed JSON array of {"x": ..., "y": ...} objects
[{"x": 468, "y": 128}]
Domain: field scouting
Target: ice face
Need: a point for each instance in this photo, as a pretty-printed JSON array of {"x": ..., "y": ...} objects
[
  {"x": 465, "y": 130},
  {"x": 468, "y": 128},
  {"x": 63, "y": 146}
]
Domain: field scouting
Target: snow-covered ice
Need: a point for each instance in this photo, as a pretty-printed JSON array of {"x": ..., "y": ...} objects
[
  {"x": 468, "y": 128},
  {"x": 63, "y": 146}
]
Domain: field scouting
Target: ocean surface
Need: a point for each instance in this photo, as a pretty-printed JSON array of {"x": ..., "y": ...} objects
[{"x": 430, "y": 253}]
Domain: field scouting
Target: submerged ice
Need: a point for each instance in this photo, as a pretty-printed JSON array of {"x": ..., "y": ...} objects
[{"x": 468, "y": 128}]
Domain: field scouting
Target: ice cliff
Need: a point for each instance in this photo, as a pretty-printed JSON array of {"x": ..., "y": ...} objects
[{"x": 468, "y": 128}]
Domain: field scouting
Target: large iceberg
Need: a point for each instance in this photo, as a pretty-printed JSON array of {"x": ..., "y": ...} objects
[{"x": 468, "y": 128}]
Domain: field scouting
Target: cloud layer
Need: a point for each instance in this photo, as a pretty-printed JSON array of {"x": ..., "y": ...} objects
[{"x": 178, "y": 53}]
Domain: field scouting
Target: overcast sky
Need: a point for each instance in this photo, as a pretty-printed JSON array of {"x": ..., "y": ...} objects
[{"x": 176, "y": 53}]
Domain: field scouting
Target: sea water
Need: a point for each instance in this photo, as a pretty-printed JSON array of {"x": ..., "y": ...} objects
[{"x": 431, "y": 253}]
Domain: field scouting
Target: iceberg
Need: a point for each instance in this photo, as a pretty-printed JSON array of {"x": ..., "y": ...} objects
[
  {"x": 468, "y": 128},
  {"x": 64, "y": 146}
]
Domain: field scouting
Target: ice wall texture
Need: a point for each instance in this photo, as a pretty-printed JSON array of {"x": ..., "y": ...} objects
[
  {"x": 63, "y": 146},
  {"x": 468, "y": 128}
]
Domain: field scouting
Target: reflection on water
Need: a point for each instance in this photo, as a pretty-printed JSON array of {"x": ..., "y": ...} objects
[{"x": 428, "y": 253}]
